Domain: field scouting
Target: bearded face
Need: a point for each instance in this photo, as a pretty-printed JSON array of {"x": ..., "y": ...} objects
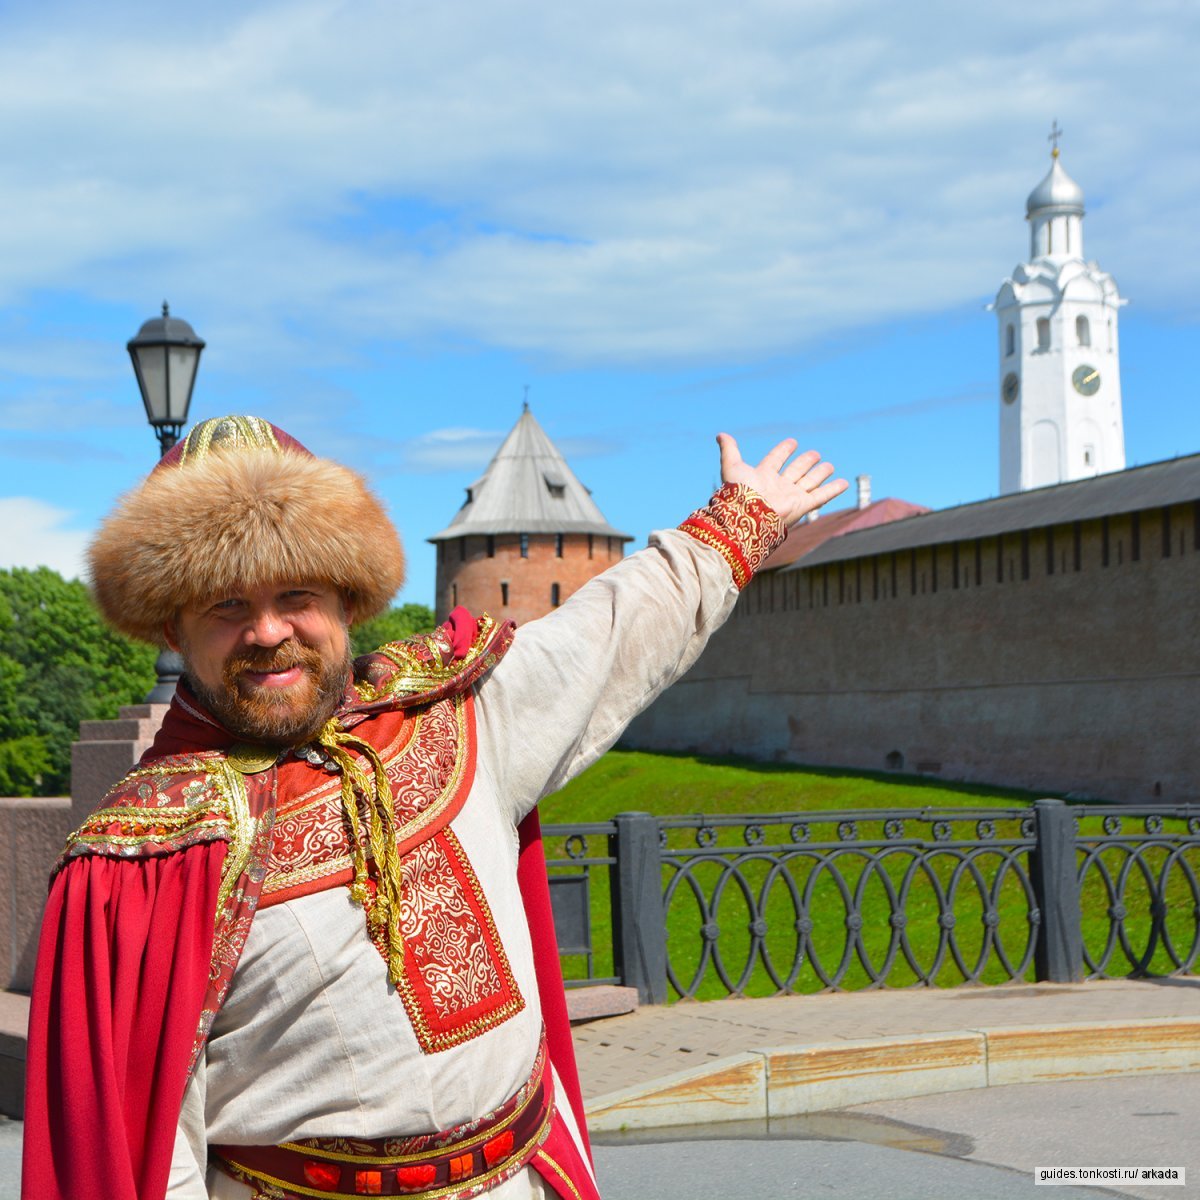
[
  {"x": 270, "y": 664},
  {"x": 273, "y": 715}
]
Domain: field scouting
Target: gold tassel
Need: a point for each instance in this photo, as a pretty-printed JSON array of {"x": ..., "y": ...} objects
[{"x": 383, "y": 917}]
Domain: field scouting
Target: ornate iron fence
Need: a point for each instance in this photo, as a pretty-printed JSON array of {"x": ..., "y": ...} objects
[
  {"x": 1139, "y": 889},
  {"x": 850, "y": 899},
  {"x": 705, "y": 906}
]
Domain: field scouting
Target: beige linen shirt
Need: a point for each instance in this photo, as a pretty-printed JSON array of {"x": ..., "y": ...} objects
[{"x": 312, "y": 1040}]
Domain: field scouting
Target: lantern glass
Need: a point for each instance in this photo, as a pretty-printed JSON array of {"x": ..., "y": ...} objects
[
  {"x": 181, "y": 374},
  {"x": 166, "y": 375}
]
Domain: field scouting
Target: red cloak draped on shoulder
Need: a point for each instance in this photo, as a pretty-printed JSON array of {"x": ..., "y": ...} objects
[{"x": 125, "y": 970}]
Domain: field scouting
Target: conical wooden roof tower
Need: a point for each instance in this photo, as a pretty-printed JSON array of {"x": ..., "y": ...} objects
[
  {"x": 527, "y": 536},
  {"x": 528, "y": 488}
]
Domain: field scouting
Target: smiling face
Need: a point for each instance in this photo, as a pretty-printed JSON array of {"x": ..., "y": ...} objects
[{"x": 270, "y": 663}]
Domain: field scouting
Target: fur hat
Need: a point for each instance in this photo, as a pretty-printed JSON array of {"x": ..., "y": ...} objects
[{"x": 238, "y": 503}]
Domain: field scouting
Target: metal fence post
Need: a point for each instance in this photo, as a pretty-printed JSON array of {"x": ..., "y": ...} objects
[
  {"x": 1058, "y": 956},
  {"x": 638, "y": 921}
]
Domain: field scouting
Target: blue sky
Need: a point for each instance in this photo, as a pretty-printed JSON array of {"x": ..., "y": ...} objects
[{"x": 387, "y": 218}]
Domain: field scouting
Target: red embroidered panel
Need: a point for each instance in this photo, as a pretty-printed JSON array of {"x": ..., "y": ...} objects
[{"x": 457, "y": 979}]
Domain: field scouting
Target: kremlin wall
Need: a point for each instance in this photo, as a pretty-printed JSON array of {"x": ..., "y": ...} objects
[{"x": 1046, "y": 640}]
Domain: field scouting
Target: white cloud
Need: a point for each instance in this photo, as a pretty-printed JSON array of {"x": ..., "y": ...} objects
[
  {"x": 451, "y": 449},
  {"x": 34, "y": 537},
  {"x": 459, "y": 449},
  {"x": 881, "y": 413},
  {"x": 590, "y": 183},
  {"x": 58, "y": 406}
]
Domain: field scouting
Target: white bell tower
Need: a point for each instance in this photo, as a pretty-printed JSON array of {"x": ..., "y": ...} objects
[{"x": 1059, "y": 377}]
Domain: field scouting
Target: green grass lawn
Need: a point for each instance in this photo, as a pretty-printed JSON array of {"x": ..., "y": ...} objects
[
  {"x": 688, "y": 785},
  {"x": 683, "y": 784}
]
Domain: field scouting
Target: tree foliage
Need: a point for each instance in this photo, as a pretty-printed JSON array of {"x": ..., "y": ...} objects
[
  {"x": 391, "y": 626},
  {"x": 24, "y": 763},
  {"x": 59, "y": 665}
]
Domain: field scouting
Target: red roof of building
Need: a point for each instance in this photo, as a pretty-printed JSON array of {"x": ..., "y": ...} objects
[{"x": 808, "y": 535}]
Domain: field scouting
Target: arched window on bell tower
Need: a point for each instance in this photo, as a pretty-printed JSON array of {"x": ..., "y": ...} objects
[
  {"x": 1043, "y": 333},
  {"x": 1083, "y": 331},
  {"x": 1010, "y": 340}
]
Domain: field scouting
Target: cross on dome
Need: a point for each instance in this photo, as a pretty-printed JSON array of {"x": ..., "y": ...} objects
[{"x": 1057, "y": 192}]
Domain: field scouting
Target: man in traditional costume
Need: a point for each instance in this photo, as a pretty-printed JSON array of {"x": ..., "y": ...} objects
[{"x": 304, "y": 949}]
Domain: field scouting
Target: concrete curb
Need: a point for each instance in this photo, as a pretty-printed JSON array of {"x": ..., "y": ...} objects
[{"x": 790, "y": 1080}]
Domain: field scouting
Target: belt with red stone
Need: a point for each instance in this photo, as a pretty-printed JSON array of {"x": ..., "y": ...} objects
[{"x": 460, "y": 1162}]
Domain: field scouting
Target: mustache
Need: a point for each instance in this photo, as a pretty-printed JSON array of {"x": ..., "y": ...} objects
[{"x": 271, "y": 658}]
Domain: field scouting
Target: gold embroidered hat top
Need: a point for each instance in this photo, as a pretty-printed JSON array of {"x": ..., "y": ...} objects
[{"x": 239, "y": 503}]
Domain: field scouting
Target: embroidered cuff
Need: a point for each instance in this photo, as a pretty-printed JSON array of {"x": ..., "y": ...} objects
[{"x": 739, "y": 524}]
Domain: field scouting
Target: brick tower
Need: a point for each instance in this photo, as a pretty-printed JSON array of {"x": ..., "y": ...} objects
[{"x": 528, "y": 535}]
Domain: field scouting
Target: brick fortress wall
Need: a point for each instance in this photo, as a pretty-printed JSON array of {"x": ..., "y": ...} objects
[
  {"x": 1064, "y": 658},
  {"x": 492, "y": 575}
]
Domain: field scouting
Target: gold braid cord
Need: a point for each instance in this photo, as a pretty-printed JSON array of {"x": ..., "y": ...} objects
[
  {"x": 741, "y": 526},
  {"x": 375, "y": 794}
]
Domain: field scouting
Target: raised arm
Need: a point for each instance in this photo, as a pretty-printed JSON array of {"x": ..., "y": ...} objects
[{"x": 574, "y": 679}]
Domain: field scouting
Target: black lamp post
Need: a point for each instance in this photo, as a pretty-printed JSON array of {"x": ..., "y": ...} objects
[{"x": 166, "y": 353}]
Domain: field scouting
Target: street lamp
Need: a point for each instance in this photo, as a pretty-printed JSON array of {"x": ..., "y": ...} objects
[{"x": 166, "y": 353}]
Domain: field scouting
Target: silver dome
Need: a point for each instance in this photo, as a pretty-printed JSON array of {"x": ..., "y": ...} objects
[{"x": 1058, "y": 190}]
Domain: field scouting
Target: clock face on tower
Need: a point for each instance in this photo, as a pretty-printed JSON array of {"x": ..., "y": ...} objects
[
  {"x": 1086, "y": 380},
  {"x": 1010, "y": 388}
]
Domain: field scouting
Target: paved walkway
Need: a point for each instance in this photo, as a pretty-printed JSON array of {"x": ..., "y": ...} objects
[
  {"x": 656, "y": 1041},
  {"x": 632, "y": 1055}
]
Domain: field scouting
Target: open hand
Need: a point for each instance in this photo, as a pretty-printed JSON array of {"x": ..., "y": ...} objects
[{"x": 793, "y": 488}]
